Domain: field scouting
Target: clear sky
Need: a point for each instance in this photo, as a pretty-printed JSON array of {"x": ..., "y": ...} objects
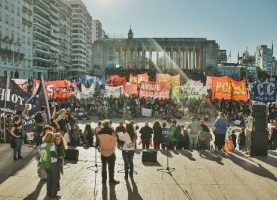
[{"x": 234, "y": 24}]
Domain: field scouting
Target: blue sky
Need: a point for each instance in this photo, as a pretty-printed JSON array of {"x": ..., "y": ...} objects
[{"x": 234, "y": 24}]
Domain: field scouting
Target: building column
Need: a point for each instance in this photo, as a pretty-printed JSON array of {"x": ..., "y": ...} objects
[
  {"x": 183, "y": 59},
  {"x": 120, "y": 56},
  {"x": 164, "y": 58},
  {"x": 136, "y": 57},
  {"x": 178, "y": 58},
  {"x": 193, "y": 59},
  {"x": 114, "y": 53},
  {"x": 143, "y": 58},
  {"x": 157, "y": 59},
  {"x": 150, "y": 56}
]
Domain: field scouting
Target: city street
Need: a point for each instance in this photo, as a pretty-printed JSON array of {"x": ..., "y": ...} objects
[{"x": 197, "y": 175}]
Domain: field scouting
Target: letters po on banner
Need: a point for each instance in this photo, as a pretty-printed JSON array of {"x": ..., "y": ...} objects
[{"x": 154, "y": 90}]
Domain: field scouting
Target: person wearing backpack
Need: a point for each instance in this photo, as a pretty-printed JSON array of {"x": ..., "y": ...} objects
[
  {"x": 194, "y": 129},
  {"x": 41, "y": 120}
]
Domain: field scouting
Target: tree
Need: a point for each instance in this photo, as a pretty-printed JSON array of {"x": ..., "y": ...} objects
[{"x": 262, "y": 75}]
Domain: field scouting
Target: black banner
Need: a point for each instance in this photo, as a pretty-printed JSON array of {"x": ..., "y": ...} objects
[{"x": 16, "y": 98}]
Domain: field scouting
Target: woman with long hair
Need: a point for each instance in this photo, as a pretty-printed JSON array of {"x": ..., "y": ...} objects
[
  {"x": 61, "y": 146},
  {"x": 128, "y": 148},
  {"x": 49, "y": 162},
  {"x": 16, "y": 141},
  {"x": 88, "y": 135},
  {"x": 157, "y": 134}
]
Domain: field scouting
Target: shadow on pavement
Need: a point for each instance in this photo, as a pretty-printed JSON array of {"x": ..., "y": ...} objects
[
  {"x": 35, "y": 194},
  {"x": 187, "y": 154},
  {"x": 164, "y": 152},
  {"x": 210, "y": 156},
  {"x": 258, "y": 170},
  {"x": 133, "y": 194}
]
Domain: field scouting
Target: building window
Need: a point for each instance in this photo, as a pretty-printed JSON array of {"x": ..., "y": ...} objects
[
  {"x": 18, "y": 11},
  {"x": 7, "y": 19},
  {"x": 18, "y": 24},
  {"x": 23, "y": 39},
  {"x": 12, "y": 21},
  {"x": 12, "y": 10},
  {"x": 7, "y": 5}
]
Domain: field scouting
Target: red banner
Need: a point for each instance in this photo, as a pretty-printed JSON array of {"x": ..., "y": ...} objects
[
  {"x": 222, "y": 88},
  {"x": 116, "y": 80},
  {"x": 209, "y": 82},
  {"x": 130, "y": 89},
  {"x": 57, "y": 89},
  {"x": 139, "y": 78},
  {"x": 155, "y": 90},
  {"x": 239, "y": 90}
]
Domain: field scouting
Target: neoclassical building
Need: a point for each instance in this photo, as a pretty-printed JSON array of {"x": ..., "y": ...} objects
[{"x": 185, "y": 53}]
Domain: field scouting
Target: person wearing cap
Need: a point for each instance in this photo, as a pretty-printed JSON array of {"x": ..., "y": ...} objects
[
  {"x": 204, "y": 136},
  {"x": 194, "y": 129}
]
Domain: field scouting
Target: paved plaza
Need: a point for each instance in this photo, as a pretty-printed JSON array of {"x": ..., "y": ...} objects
[{"x": 197, "y": 175}]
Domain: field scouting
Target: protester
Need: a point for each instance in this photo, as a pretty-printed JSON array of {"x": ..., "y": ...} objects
[
  {"x": 40, "y": 124},
  {"x": 146, "y": 135},
  {"x": 233, "y": 137},
  {"x": 16, "y": 132},
  {"x": 183, "y": 142},
  {"x": 220, "y": 128},
  {"x": 49, "y": 162},
  {"x": 88, "y": 135},
  {"x": 172, "y": 139},
  {"x": 60, "y": 122},
  {"x": 157, "y": 134},
  {"x": 8, "y": 126},
  {"x": 165, "y": 135},
  {"x": 194, "y": 129},
  {"x": 71, "y": 126},
  {"x": 21, "y": 114},
  {"x": 107, "y": 143},
  {"x": 204, "y": 136},
  {"x": 61, "y": 146},
  {"x": 129, "y": 139},
  {"x": 119, "y": 129}
]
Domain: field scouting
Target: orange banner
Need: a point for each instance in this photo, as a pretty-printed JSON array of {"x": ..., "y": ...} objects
[
  {"x": 222, "y": 88},
  {"x": 116, "y": 80},
  {"x": 165, "y": 78},
  {"x": 139, "y": 78},
  {"x": 239, "y": 90},
  {"x": 155, "y": 90},
  {"x": 130, "y": 89},
  {"x": 57, "y": 89}
]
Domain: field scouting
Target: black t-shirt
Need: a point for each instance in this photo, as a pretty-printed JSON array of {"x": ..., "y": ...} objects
[
  {"x": 242, "y": 138},
  {"x": 18, "y": 129}
]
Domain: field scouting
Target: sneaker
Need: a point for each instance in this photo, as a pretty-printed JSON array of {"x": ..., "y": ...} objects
[
  {"x": 57, "y": 197},
  {"x": 114, "y": 182}
]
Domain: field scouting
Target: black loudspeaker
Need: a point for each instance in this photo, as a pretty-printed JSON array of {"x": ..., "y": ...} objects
[
  {"x": 261, "y": 114},
  {"x": 72, "y": 154},
  {"x": 257, "y": 124},
  {"x": 149, "y": 156},
  {"x": 256, "y": 142},
  {"x": 258, "y": 107}
]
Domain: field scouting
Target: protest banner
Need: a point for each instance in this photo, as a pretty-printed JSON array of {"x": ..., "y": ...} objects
[
  {"x": 116, "y": 80},
  {"x": 165, "y": 78},
  {"x": 14, "y": 98},
  {"x": 146, "y": 112},
  {"x": 154, "y": 90},
  {"x": 23, "y": 83},
  {"x": 222, "y": 88},
  {"x": 130, "y": 89},
  {"x": 263, "y": 92},
  {"x": 239, "y": 90},
  {"x": 139, "y": 78},
  {"x": 57, "y": 89},
  {"x": 209, "y": 82},
  {"x": 113, "y": 91}
]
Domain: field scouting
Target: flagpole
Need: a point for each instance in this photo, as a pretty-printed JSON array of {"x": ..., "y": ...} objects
[
  {"x": 5, "y": 105},
  {"x": 46, "y": 97}
]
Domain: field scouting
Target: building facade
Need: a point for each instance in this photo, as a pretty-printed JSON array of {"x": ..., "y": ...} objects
[
  {"x": 191, "y": 53},
  {"x": 16, "y": 28},
  {"x": 65, "y": 38},
  {"x": 96, "y": 30},
  {"x": 264, "y": 57},
  {"x": 222, "y": 56},
  {"x": 81, "y": 39},
  {"x": 46, "y": 39}
]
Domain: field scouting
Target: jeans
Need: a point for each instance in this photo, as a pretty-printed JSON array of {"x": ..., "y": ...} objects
[
  {"x": 193, "y": 139},
  {"x": 145, "y": 143},
  {"x": 204, "y": 145},
  {"x": 111, "y": 161},
  {"x": 128, "y": 157},
  {"x": 274, "y": 145},
  {"x": 17, "y": 149},
  {"x": 53, "y": 176}
]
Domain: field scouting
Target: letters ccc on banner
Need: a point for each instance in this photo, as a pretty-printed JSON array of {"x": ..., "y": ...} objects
[{"x": 263, "y": 92}]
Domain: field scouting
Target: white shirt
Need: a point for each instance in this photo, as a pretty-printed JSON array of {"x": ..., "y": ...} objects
[{"x": 128, "y": 144}]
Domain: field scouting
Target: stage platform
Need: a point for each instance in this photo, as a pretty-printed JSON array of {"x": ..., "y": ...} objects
[{"x": 197, "y": 175}]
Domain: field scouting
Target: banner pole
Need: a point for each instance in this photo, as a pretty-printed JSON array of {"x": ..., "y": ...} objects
[
  {"x": 5, "y": 106},
  {"x": 46, "y": 97}
]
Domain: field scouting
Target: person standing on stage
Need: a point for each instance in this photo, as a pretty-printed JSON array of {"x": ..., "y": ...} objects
[
  {"x": 119, "y": 129},
  {"x": 146, "y": 135},
  {"x": 157, "y": 134},
  {"x": 107, "y": 144},
  {"x": 165, "y": 135},
  {"x": 128, "y": 148}
]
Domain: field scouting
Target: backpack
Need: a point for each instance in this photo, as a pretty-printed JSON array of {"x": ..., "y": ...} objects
[
  {"x": 177, "y": 133},
  {"x": 38, "y": 117}
]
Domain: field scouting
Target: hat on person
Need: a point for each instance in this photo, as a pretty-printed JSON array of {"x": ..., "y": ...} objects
[
  {"x": 242, "y": 129},
  {"x": 201, "y": 121}
]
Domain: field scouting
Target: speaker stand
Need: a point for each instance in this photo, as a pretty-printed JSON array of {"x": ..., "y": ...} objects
[
  {"x": 167, "y": 169},
  {"x": 95, "y": 166}
]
